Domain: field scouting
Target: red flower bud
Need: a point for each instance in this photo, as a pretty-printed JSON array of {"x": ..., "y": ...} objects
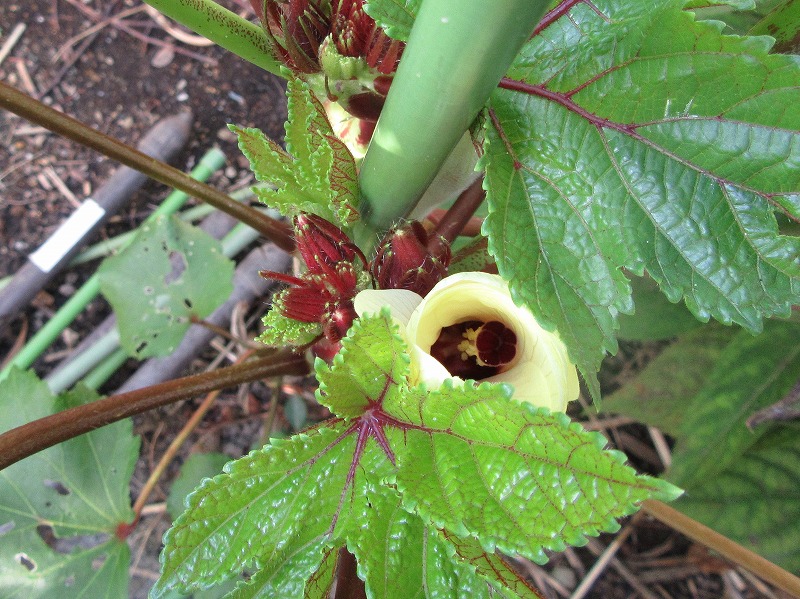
[
  {"x": 405, "y": 262},
  {"x": 322, "y": 244}
]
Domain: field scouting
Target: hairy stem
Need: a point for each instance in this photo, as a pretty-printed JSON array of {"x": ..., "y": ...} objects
[
  {"x": 37, "y": 112},
  {"x": 223, "y": 27},
  {"x": 456, "y": 54},
  {"x": 25, "y": 440},
  {"x": 729, "y": 549}
]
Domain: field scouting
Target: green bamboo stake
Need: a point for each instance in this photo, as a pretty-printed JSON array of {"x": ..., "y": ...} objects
[
  {"x": 457, "y": 53},
  {"x": 211, "y": 161},
  {"x": 104, "y": 371},
  {"x": 87, "y": 360},
  {"x": 223, "y": 27}
]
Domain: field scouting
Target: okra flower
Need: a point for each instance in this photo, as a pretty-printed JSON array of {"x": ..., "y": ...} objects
[{"x": 468, "y": 327}]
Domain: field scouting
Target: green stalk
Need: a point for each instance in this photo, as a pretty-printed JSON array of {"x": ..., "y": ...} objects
[
  {"x": 84, "y": 362},
  {"x": 457, "y": 53},
  {"x": 211, "y": 161},
  {"x": 223, "y": 27}
]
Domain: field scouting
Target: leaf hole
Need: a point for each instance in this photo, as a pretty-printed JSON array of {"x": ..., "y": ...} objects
[
  {"x": 177, "y": 263},
  {"x": 23, "y": 560},
  {"x": 140, "y": 348},
  {"x": 69, "y": 545},
  {"x": 56, "y": 486},
  {"x": 7, "y": 527},
  {"x": 187, "y": 302}
]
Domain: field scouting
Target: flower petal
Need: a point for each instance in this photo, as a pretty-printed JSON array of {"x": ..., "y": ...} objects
[{"x": 401, "y": 302}]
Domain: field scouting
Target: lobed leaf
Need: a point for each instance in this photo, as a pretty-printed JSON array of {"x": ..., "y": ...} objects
[
  {"x": 756, "y": 499},
  {"x": 318, "y": 177},
  {"x": 60, "y": 508},
  {"x": 631, "y": 136},
  {"x": 517, "y": 478},
  {"x": 661, "y": 395}
]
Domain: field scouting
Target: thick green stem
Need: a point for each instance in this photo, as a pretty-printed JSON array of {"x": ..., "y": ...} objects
[
  {"x": 457, "y": 52},
  {"x": 36, "y": 112},
  {"x": 223, "y": 27},
  {"x": 30, "y": 438}
]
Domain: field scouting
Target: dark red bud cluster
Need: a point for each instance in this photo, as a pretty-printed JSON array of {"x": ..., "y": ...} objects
[
  {"x": 298, "y": 30},
  {"x": 405, "y": 262},
  {"x": 325, "y": 292}
]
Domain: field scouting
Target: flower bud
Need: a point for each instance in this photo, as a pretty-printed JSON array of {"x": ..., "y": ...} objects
[
  {"x": 405, "y": 262},
  {"x": 322, "y": 244}
]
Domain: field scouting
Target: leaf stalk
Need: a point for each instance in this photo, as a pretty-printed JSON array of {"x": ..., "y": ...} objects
[
  {"x": 28, "y": 108},
  {"x": 30, "y": 438}
]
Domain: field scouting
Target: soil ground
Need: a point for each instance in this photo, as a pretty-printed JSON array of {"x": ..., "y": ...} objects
[{"x": 73, "y": 56}]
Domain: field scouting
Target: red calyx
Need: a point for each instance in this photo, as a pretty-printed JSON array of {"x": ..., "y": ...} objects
[{"x": 405, "y": 262}]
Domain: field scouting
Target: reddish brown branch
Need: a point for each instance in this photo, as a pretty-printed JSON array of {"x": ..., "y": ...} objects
[{"x": 25, "y": 440}]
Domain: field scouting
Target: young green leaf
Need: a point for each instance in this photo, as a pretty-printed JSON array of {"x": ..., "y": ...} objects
[
  {"x": 630, "y": 135},
  {"x": 752, "y": 373},
  {"x": 287, "y": 504},
  {"x": 60, "y": 509},
  {"x": 394, "y": 16},
  {"x": 317, "y": 175},
  {"x": 280, "y": 330},
  {"x": 756, "y": 500},
  {"x": 371, "y": 366},
  {"x": 517, "y": 478},
  {"x": 186, "y": 276}
]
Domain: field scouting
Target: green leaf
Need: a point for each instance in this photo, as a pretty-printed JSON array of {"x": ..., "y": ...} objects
[
  {"x": 752, "y": 373},
  {"x": 320, "y": 583},
  {"x": 184, "y": 275},
  {"x": 197, "y": 467},
  {"x": 285, "y": 577},
  {"x": 372, "y": 362},
  {"x": 655, "y": 317},
  {"x": 518, "y": 479},
  {"x": 60, "y": 508},
  {"x": 280, "y": 330},
  {"x": 738, "y": 4},
  {"x": 492, "y": 568},
  {"x": 318, "y": 177},
  {"x": 783, "y": 23},
  {"x": 278, "y": 505},
  {"x": 633, "y": 136},
  {"x": 398, "y": 556},
  {"x": 394, "y": 16},
  {"x": 756, "y": 500},
  {"x": 662, "y": 393}
]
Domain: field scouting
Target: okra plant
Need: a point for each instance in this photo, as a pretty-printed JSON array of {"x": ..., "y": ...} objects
[{"x": 635, "y": 168}]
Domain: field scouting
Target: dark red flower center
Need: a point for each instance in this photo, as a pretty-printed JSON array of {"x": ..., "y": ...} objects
[{"x": 474, "y": 349}]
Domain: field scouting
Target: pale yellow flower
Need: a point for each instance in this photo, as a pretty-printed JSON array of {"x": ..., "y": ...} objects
[{"x": 533, "y": 361}]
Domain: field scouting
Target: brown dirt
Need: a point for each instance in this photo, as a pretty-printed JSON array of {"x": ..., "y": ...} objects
[{"x": 115, "y": 87}]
